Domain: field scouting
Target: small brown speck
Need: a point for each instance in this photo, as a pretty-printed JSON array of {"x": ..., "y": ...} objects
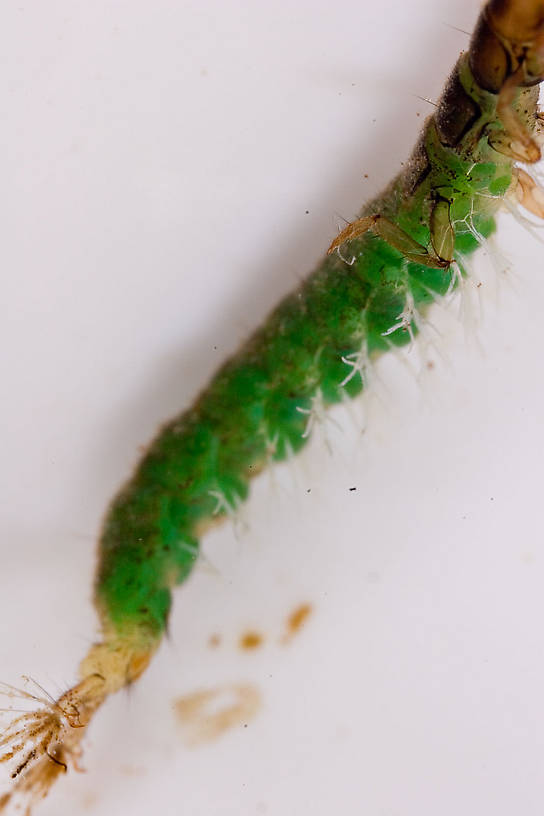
[
  {"x": 214, "y": 641},
  {"x": 365, "y": 175},
  {"x": 88, "y": 801},
  {"x": 132, "y": 770},
  {"x": 430, "y": 365},
  {"x": 296, "y": 620},
  {"x": 250, "y": 641}
]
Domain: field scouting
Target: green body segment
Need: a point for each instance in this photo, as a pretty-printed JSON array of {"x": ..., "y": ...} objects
[{"x": 312, "y": 347}]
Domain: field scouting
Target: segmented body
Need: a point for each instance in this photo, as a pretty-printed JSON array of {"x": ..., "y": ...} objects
[
  {"x": 406, "y": 249},
  {"x": 311, "y": 352}
]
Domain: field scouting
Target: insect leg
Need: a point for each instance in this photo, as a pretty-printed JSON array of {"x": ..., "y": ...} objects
[
  {"x": 352, "y": 231},
  {"x": 529, "y": 194},
  {"x": 401, "y": 241},
  {"x": 442, "y": 231},
  {"x": 507, "y": 54},
  {"x": 516, "y": 140}
]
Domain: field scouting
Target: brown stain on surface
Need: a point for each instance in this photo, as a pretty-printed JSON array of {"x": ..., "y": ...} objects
[
  {"x": 89, "y": 800},
  {"x": 207, "y": 714},
  {"x": 214, "y": 641},
  {"x": 132, "y": 770},
  {"x": 250, "y": 641},
  {"x": 296, "y": 620}
]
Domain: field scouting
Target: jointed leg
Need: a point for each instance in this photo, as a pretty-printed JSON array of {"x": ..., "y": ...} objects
[
  {"x": 516, "y": 141},
  {"x": 529, "y": 194},
  {"x": 442, "y": 237}
]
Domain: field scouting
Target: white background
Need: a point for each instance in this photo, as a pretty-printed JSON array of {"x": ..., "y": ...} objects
[{"x": 157, "y": 162}]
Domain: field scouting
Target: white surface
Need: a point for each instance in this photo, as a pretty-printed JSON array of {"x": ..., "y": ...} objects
[{"x": 158, "y": 159}]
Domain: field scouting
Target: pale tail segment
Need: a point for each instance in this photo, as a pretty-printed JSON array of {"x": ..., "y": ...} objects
[{"x": 403, "y": 252}]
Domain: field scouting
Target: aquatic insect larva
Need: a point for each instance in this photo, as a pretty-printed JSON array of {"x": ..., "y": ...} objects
[{"x": 314, "y": 351}]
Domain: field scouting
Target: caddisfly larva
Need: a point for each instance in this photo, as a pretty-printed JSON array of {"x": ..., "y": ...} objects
[{"x": 404, "y": 251}]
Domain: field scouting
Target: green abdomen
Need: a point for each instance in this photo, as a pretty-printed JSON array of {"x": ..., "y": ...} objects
[{"x": 257, "y": 408}]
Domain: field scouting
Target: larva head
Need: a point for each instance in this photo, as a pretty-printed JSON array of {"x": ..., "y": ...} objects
[{"x": 508, "y": 41}]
